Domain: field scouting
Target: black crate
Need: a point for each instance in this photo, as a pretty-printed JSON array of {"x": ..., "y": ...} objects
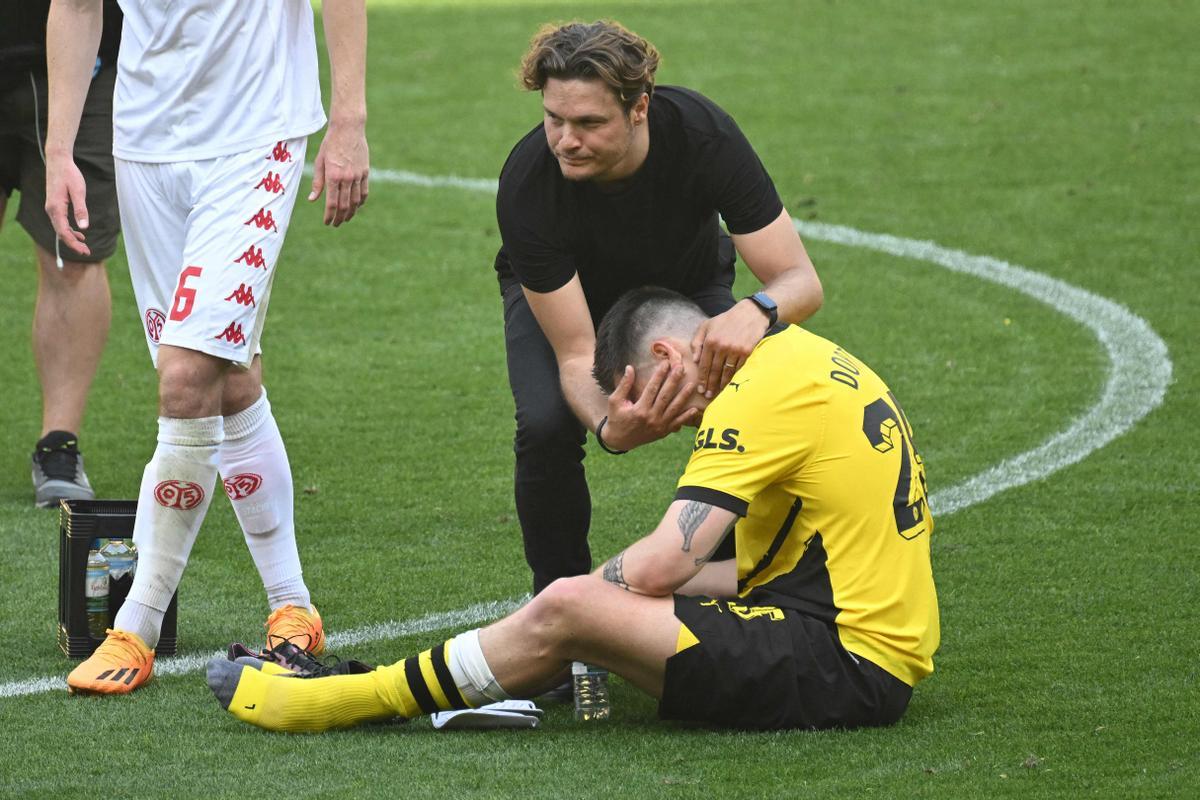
[{"x": 80, "y": 522}]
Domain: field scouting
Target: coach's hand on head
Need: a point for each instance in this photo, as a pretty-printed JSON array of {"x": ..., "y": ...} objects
[
  {"x": 775, "y": 255},
  {"x": 724, "y": 342},
  {"x": 662, "y": 407}
]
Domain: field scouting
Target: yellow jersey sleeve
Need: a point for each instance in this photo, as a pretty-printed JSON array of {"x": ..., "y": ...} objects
[{"x": 748, "y": 437}]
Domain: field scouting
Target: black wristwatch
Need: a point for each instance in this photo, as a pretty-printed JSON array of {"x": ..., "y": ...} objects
[{"x": 768, "y": 305}]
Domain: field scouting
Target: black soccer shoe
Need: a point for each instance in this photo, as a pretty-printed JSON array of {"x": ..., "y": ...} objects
[
  {"x": 295, "y": 660},
  {"x": 58, "y": 471}
]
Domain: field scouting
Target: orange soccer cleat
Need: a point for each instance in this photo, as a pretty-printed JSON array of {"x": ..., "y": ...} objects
[
  {"x": 302, "y": 627},
  {"x": 120, "y": 664}
]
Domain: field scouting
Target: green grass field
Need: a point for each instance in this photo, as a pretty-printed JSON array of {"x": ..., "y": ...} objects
[{"x": 1060, "y": 137}]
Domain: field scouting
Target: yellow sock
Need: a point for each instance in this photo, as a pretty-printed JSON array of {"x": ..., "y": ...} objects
[
  {"x": 280, "y": 703},
  {"x": 418, "y": 685},
  {"x": 421, "y": 684}
]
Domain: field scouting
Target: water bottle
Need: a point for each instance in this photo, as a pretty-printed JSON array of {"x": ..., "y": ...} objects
[
  {"x": 133, "y": 556},
  {"x": 96, "y": 592},
  {"x": 591, "y": 692},
  {"x": 120, "y": 558}
]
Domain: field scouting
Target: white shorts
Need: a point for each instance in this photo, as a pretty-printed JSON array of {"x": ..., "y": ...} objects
[{"x": 203, "y": 240}]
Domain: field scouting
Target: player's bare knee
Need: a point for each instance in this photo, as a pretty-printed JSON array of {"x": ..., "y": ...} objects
[
  {"x": 561, "y": 606},
  {"x": 189, "y": 384},
  {"x": 242, "y": 390}
]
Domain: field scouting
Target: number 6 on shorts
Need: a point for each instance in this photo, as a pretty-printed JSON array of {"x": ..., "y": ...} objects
[{"x": 185, "y": 298}]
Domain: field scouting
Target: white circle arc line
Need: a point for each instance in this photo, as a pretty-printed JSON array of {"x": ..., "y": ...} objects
[{"x": 1139, "y": 372}]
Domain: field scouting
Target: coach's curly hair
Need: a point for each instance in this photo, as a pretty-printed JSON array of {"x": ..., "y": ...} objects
[{"x": 604, "y": 50}]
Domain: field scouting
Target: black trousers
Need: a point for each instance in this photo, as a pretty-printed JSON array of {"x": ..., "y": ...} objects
[{"x": 554, "y": 506}]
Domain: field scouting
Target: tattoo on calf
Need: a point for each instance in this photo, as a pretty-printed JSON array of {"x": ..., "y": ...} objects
[
  {"x": 690, "y": 518},
  {"x": 614, "y": 571}
]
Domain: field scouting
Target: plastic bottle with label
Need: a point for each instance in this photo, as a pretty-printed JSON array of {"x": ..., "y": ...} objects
[
  {"x": 120, "y": 558},
  {"x": 591, "y": 692},
  {"x": 96, "y": 592}
]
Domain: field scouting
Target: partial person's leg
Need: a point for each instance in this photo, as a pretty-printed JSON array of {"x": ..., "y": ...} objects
[
  {"x": 258, "y": 481},
  {"x": 579, "y": 618},
  {"x": 73, "y": 309},
  {"x": 553, "y": 503},
  {"x": 582, "y": 619},
  {"x": 70, "y": 328},
  {"x": 177, "y": 484}
]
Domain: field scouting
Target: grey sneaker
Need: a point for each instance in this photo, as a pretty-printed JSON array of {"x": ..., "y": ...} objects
[{"x": 58, "y": 471}]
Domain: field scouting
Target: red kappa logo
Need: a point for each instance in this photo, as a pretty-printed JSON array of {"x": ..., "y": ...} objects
[
  {"x": 239, "y": 487},
  {"x": 180, "y": 495},
  {"x": 243, "y": 295},
  {"x": 271, "y": 183},
  {"x": 263, "y": 219},
  {"x": 232, "y": 334},
  {"x": 253, "y": 257},
  {"x": 281, "y": 152},
  {"x": 154, "y": 323}
]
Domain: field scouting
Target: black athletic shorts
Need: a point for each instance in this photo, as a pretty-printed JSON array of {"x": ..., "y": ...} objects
[
  {"x": 22, "y": 136},
  {"x": 762, "y": 667}
]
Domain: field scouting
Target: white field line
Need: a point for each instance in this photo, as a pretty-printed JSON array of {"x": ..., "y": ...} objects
[
  {"x": 1139, "y": 372},
  {"x": 182, "y": 665},
  {"x": 1139, "y": 368}
]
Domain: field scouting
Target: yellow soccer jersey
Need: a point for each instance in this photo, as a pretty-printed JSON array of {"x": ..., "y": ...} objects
[{"x": 810, "y": 447}]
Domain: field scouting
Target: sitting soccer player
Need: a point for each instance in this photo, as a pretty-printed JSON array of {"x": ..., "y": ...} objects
[{"x": 827, "y": 617}]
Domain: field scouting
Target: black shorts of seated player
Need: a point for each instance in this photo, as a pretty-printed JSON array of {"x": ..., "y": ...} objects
[
  {"x": 769, "y": 668},
  {"x": 624, "y": 184}
]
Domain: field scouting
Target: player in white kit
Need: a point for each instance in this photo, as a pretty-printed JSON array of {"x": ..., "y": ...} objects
[{"x": 213, "y": 104}]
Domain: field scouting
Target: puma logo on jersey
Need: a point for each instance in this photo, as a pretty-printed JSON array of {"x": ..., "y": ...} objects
[{"x": 706, "y": 439}]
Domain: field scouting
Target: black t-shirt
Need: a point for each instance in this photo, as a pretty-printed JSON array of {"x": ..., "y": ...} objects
[
  {"x": 23, "y": 38},
  {"x": 660, "y": 228}
]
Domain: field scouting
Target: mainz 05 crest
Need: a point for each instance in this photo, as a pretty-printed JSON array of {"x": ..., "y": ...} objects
[
  {"x": 242, "y": 486},
  {"x": 181, "y": 495}
]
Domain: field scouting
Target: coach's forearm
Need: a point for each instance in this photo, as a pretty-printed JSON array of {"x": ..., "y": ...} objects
[
  {"x": 797, "y": 292},
  {"x": 73, "y": 31},
  {"x": 346, "y": 39},
  {"x": 581, "y": 391}
]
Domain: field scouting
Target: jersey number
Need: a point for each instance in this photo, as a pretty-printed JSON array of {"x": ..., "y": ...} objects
[
  {"x": 886, "y": 428},
  {"x": 185, "y": 297}
]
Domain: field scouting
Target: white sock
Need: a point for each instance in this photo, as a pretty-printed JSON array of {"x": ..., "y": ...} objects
[
  {"x": 177, "y": 486},
  {"x": 258, "y": 481},
  {"x": 471, "y": 672}
]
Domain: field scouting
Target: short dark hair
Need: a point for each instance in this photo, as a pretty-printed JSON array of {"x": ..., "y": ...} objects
[
  {"x": 603, "y": 50},
  {"x": 637, "y": 316}
]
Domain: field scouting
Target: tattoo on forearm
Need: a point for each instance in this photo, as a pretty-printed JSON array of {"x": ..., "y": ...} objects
[
  {"x": 713, "y": 552},
  {"x": 690, "y": 518},
  {"x": 614, "y": 571}
]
